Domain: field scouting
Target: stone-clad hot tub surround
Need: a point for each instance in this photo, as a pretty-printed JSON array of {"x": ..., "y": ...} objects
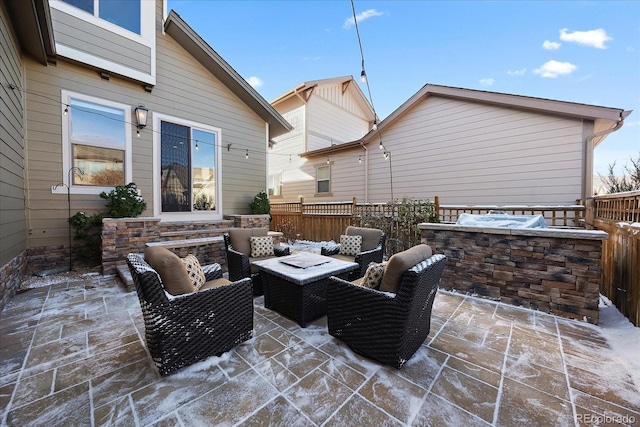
[{"x": 553, "y": 270}]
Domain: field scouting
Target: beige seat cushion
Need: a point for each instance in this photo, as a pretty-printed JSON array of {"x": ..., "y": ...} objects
[
  {"x": 171, "y": 269},
  {"x": 215, "y": 283},
  {"x": 240, "y": 238},
  {"x": 401, "y": 262},
  {"x": 370, "y": 236}
]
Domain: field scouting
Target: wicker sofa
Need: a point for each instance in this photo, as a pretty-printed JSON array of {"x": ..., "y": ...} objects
[
  {"x": 239, "y": 259},
  {"x": 371, "y": 249},
  {"x": 384, "y": 324},
  {"x": 184, "y": 329}
]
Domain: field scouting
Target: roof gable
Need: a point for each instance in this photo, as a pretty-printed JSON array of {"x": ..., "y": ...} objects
[
  {"x": 212, "y": 61},
  {"x": 304, "y": 91}
]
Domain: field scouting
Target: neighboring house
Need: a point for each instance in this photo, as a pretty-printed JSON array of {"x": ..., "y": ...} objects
[
  {"x": 323, "y": 113},
  {"x": 471, "y": 147},
  {"x": 72, "y": 79}
]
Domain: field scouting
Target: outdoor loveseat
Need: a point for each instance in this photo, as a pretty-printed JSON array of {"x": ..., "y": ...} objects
[
  {"x": 240, "y": 257},
  {"x": 186, "y": 328},
  {"x": 389, "y": 323},
  {"x": 370, "y": 249}
]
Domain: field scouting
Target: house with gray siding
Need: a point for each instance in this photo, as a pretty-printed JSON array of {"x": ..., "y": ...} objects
[
  {"x": 471, "y": 147},
  {"x": 74, "y": 77}
]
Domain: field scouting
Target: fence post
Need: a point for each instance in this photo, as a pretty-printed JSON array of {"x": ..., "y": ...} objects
[
  {"x": 436, "y": 202},
  {"x": 589, "y": 214}
]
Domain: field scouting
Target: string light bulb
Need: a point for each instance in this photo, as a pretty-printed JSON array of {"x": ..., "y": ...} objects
[
  {"x": 66, "y": 109},
  {"x": 138, "y": 133},
  {"x": 328, "y": 162},
  {"x": 375, "y": 125},
  {"x": 381, "y": 146},
  {"x": 246, "y": 155},
  {"x": 386, "y": 155},
  {"x": 363, "y": 76},
  {"x": 196, "y": 145},
  {"x": 360, "y": 159}
]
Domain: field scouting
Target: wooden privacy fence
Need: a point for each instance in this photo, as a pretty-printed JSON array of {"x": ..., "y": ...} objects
[
  {"x": 619, "y": 215},
  {"x": 327, "y": 221}
]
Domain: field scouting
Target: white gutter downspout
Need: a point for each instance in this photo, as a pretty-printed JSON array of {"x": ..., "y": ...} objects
[
  {"x": 366, "y": 173},
  {"x": 590, "y": 149}
]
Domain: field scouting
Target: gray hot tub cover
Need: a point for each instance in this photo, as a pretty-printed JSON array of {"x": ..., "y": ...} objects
[{"x": 502, "y": 220}]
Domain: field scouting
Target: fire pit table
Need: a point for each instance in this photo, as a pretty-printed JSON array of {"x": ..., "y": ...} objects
[{"x": 296, "y": 285}]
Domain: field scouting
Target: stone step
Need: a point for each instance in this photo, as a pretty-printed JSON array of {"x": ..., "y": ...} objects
[{"x": 125, "y": 277}]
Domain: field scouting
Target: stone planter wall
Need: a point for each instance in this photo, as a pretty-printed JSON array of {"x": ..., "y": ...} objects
[
  {"x": 121, "y": 236},
  {"x": 11, "y": 276},
  {"x": 557, "y": 271}
]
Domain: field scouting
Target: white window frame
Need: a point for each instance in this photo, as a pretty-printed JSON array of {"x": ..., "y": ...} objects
[
  {"x": 327, "y": 193},
  {"x": 67, "y": 161},
  {"x": 277, "y": 175},
  {"x": 157, "y": 188}
]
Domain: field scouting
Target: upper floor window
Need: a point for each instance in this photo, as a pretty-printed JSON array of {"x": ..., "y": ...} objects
[
  {"x": 123, "y": 13},
  {"x": 97, "y": 141},
  {"x": 323, "y": 179}
]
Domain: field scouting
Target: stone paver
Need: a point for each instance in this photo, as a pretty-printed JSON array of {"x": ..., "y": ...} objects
[{"x": 74, "y": 354}]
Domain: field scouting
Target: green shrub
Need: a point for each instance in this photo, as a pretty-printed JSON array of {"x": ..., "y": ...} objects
[
  {"x": 88, "y": 230},
  {"x": 124, "y": 201},
  {"x": 260, "y": 204}
]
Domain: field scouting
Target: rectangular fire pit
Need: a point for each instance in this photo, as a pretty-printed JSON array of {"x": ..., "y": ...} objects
[{"x": 553, "y": 270}]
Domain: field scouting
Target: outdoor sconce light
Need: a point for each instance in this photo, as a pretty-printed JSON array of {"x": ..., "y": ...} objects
[{"x": 141, "y": 117}]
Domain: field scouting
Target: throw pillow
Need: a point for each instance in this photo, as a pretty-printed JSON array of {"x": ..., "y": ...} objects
[
  {"x": 195, "y": 271},
  {"x": 261, "y": 246},
  {"x": 171, "y": 269},
  {"x": 350, "y": 245},
  {"x": 373, "y": 276}
]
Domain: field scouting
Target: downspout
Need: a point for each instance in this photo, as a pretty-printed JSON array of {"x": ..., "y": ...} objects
[
  {"x": 590, "y": 149},
  {"x": 366, "y": 173}
]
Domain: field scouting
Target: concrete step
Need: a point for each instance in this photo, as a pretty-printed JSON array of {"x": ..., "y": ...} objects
[{"x": 125, "y": 277}]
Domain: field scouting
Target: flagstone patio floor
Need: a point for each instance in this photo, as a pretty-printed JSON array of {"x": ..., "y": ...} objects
[{"x": 73, "y": 354}]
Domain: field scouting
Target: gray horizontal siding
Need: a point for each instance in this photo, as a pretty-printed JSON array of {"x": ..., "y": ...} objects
[
  {"x": 81, "y": 35},
  {"x": 12, "y": 196}
]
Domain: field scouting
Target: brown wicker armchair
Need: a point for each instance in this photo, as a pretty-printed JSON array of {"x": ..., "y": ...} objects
[
  {"x": 239, "y": 260},
  {"x": 381, "y": 325},
  {"x": 371, "y": 250},
  {"x": 181, "y": 330}
]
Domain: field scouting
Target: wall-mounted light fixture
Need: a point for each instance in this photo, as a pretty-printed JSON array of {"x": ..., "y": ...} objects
[{"x": 141, "y": 118}]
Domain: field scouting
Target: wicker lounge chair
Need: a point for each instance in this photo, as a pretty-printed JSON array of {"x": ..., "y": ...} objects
[
  {"x": 371, "y": 249},
  {"x": 184, "y": 329},
  {"x": 239, "y": 260},
  {"x": 385, "y": 326}
]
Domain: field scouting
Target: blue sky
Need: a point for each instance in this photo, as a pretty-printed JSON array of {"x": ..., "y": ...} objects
[{"x": 577, "y": 51}]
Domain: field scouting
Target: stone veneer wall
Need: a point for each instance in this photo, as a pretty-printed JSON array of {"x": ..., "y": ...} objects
[
  {"x": 557, "y": 271},
  {"x": 11, "y": 276},
  {"x": 121, "y": 236}
]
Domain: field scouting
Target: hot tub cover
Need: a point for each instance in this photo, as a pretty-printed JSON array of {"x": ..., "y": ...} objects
[{"x": 502, "y": 220}]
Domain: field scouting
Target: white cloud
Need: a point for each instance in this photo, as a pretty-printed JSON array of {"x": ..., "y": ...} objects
[
  {"x": 520, "y": 72},
  {"x": 361, "y": 17},
  {"x": 487, "y": 82},
  {"x": 254, "y": 81},
  {"x": 549, "y": 45},
  {"x": 553, "y": 69},
  {"x": 594, "y": 38}
]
